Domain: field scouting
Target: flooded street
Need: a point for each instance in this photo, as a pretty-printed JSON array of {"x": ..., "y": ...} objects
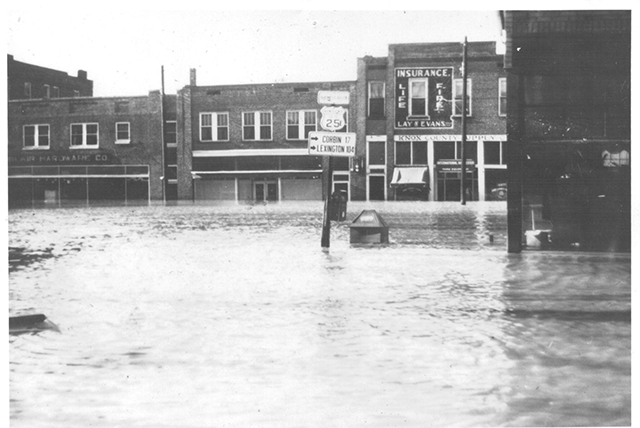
[{"x": 233, "y": 316}]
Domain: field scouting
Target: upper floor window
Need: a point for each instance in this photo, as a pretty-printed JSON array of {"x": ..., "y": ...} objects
[
  {"x": 27, "y": 89},
  {"x": 214, "y": 126},
  {"x": 457, "y": 96},
  {"x": 123, "y": 133},
  {"x": 376, "y": 99},
  {"x": 300, "y": 123},
  {"x": 502, "y": 96},
  {"x": 35, "y": 136},
  {"x": 418, "y": 95},
  {"x": 56, "y": 92},
  {"x": 256, "y": 125},
  {"x": 46, "y": 91},
  {"x": 76, "y": 94},
  {"x": 84, "y": 135},
  {"x": 171, "y": 132}
]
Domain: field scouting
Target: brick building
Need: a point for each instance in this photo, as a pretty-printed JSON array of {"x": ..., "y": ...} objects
[
  {"x": 85, "y": 150},
  {"x": 249, "y": 143},
  {"x": 569, "y": 129},
  {"x": 27, "y": 81},
  {"x": 409, "y": 122}
]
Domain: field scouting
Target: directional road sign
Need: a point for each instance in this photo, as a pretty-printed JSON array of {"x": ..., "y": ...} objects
[{"x": 332, "y": 143}]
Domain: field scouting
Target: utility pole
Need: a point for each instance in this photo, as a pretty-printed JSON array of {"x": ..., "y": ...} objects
[
  {"x": 163, "y": 154},
  {"x": 325, "y": 240},
  {"x": 463, "y": 155}
]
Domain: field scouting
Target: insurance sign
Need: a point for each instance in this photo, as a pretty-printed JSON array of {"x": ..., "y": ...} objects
[
  {"x": 332, "y": 143},
  {"x": 423, "y": 97}
]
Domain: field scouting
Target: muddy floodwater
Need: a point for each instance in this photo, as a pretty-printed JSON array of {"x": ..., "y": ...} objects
[{"x": 234, "y": 316}]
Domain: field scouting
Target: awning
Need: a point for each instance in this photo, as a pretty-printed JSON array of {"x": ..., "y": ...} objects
[{"x": 410, "y": 176}]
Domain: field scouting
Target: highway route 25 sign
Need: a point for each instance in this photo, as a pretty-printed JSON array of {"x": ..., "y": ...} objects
[
  {"x": 332, "y": 118},
  {"x": 332, "y": 143}
]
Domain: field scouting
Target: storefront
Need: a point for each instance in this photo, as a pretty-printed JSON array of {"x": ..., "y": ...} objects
[
  {"x": 256, "y": 176},
  {"x": 439, "y": 158},
  {"x": 31, "y": 186},
  {"x": 72, "y": 178}
]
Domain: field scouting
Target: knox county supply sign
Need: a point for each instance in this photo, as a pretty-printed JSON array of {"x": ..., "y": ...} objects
[
  {"x": 423, "y": 98},
  {"x": 332, "y": 143}
]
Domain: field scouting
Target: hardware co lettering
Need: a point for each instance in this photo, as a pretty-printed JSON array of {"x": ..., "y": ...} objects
[{"x": 60, "y": 159}]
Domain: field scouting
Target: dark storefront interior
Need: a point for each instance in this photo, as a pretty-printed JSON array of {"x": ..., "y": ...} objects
[{"x": 32, "y": 186}]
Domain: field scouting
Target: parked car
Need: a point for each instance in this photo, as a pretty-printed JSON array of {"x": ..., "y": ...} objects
[{"x": 499, "y": 193}]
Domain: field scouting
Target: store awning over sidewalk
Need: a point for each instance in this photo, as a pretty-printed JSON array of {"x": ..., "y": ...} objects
[{"x": 410, "y": 176}]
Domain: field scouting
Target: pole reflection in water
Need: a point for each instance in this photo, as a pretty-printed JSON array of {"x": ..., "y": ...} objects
[{"x": 198, "y": 316}]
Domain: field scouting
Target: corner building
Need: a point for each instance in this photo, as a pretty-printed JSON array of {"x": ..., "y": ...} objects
[
  {"x": 249, "y": 143},
  {"x": 409, "y": 107},
  {"x": 28, "y": 81},
  {"x": 569, "y": 129},
  {"x": 84, "y": 151}
]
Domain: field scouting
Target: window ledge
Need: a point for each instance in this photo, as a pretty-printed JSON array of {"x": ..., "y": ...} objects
[
  {"x": 122, "y": 141},
  {"x": 36, "y": 148},
  {"x": 83, "y": 147}
]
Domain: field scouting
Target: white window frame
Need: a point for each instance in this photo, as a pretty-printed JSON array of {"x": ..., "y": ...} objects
[
  {"x": 426, "y": 97},
  {"x": 502, "y": 154},
  {"x": 36, "y": 137},
  {"x": 301, "y": 123},
  {"x": 469, "y": 96},
  {"x": 123, "y": 140},
  {"x": 85, "y": 134},
  {"x": 502, "y": 95},
  {"x": 257, "y": 124},
  {"x": 214, "y": 125},
  {"x": 369, "y": 97},
  {"x": 175, "y": 143}
]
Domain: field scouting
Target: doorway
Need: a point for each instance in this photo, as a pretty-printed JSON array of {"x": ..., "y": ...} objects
[
  {"x": 376, "y": 187},
  {"x": 265, "y": 191}
]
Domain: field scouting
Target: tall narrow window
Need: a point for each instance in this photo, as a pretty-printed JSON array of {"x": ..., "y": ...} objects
[
  {"x": 293, "y": 125},
  {"x": 76, "y": 94},
  {"x": 502, "y": 96},
  {"x": 457, "y": 95},
  {"x": 27, "y": 89},
  {"x": 223, "y": 126},
  {"x": 170, "y": 132},
  {"x": 248, "y": 126},
  {"x": 46, "y": 91},
  {"x": 84, "y": 135},
  {"x": 418, "y": 97},
  {"x": 36, "y": 136},
  {"x": 56, "y": 92},
  {"x": 122, "y": 133},
  {"x": 265, "y": 125},
  {"x": 376, "y": 99},
  {"x": 214, "y": 126}
]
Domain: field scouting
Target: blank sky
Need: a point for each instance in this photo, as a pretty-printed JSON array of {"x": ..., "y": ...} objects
[{"x": 123, "y": 50}]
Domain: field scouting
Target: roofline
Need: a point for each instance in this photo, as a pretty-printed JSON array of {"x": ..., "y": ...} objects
[{"x": 274, "y": 84}]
